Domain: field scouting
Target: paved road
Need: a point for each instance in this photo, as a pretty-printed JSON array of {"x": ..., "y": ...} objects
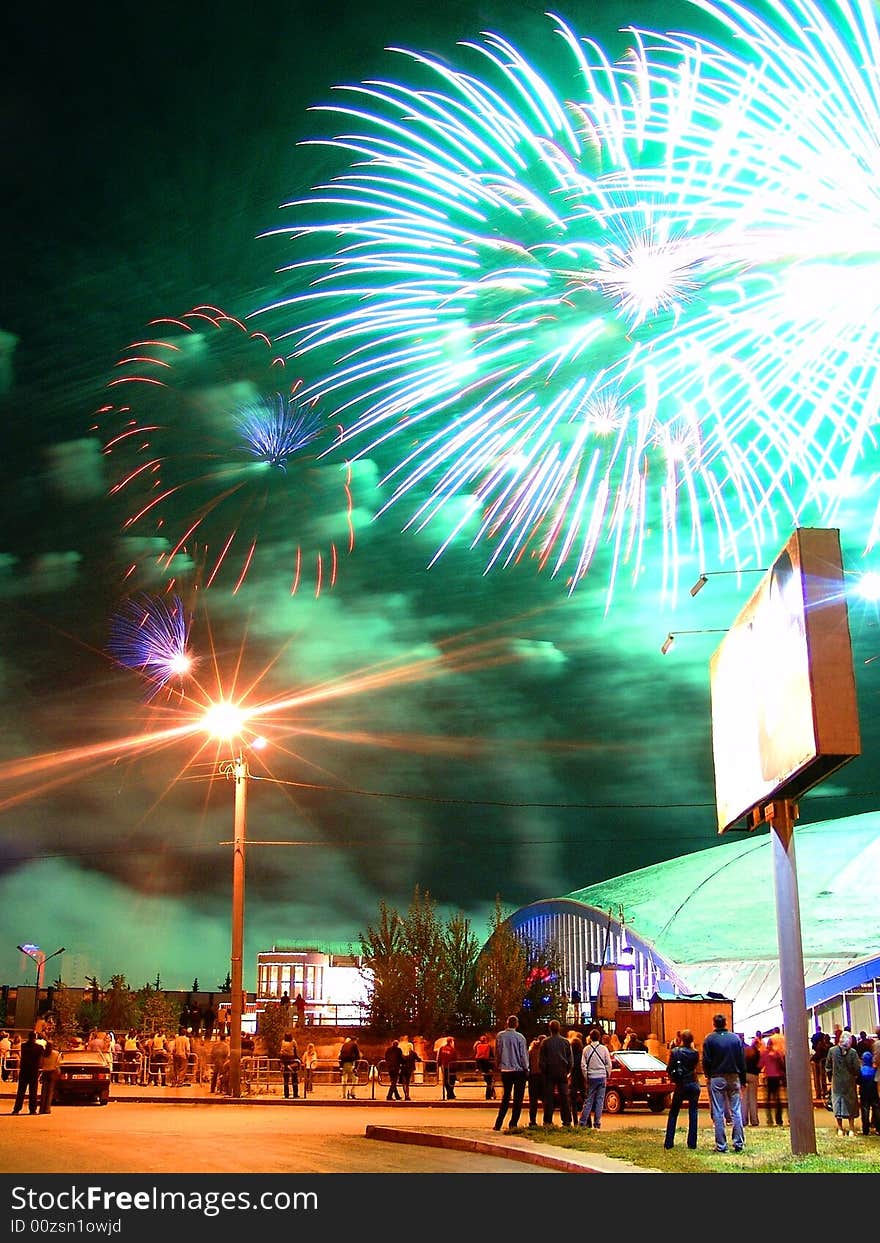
[
  {"x": 126, "y": 1137},
  {"x": 208, "y": 1147},
  {"x": 162, "y": 1131},
  {"x": 204, "y": 1150}
]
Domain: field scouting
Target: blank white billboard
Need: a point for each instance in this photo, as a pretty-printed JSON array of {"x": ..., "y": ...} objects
[{"x": 782, "y": 685}]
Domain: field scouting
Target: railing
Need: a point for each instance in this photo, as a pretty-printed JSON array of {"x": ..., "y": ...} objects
[
  {"x": 128, "y": 1067},
  {"x": 158, "y": 1069},
  {"x": 263, "y": 1074}
]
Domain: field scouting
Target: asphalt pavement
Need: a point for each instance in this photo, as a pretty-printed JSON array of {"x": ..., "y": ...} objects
[{"x": 464, "y": 1124}]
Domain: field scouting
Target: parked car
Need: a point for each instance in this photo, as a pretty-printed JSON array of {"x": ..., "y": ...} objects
[
  {"x": 637, "y": 1077},
  {"x": 85, "y": 1076}
]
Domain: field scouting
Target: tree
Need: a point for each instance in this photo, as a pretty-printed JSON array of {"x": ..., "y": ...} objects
[
  {"x": 386, "y": 971},
  {"x": 423, "y": 975},
  {"x": 90, "y": 1013},
  {"x": 462, "y": 951},
  {"x": 195, "y": 987},
  {"x": 89, "y": 1017},
  {"x": 424, "y": 945},
  {"x": 502, "y": 967},
  {"x": 157, "y": 1011},
  {"x": 227, "y": 987},
  {"x": 274, "y": 1022},
  {"x": 67, "y": 1003},
  {"x": 120, "y": 1011}
]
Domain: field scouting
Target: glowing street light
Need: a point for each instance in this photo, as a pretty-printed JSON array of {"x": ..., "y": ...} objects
[
  {"x": 224, "y": 720},
  {"x": 37, "y": 956}
]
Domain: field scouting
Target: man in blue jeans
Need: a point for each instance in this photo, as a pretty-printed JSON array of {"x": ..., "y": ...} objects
[
  {"x": 596, "y": 1065},
  {"x": 724, "y": 1066},
  {"x": 512, "y": 1060}
]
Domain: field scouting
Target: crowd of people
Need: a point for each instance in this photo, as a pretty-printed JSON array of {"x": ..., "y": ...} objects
[
  {"x": 568, "y": 1074},
  {"x": 559, "y": 1072},
  {"x": 845, "y": 1071},
  {"x": 158, "y": 1059},
  {"x": 161, "y": 1058},
  {"x": 565, "y": 1073}
]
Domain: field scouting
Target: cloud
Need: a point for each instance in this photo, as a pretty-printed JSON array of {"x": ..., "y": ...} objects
[
  {"x": 8, "y": 342},
  {"x": 75, "y": 470}
]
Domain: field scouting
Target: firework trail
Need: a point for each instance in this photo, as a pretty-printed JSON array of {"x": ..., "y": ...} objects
[
  {"x": 573, "y": 323},
  {"x": 151, "y": 634},
  {"x": 787, "y": 161},
  {"x": 216, "y": 459}
]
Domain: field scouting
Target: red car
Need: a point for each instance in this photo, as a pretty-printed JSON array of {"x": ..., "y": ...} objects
[{"x": 637, "y": 1077}]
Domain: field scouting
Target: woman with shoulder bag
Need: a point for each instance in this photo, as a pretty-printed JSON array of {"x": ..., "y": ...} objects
[{"x": 682, "y": 1070}]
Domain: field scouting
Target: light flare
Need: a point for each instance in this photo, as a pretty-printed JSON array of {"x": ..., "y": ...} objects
[{"x": 227, "y": 714}]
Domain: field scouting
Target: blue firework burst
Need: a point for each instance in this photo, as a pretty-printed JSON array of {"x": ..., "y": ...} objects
[
  {"x": 276, "y": 427},
  {"x": 151, "y": 634}
]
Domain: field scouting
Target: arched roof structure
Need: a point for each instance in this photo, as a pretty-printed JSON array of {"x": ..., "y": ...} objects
[{"x": 707, "y": 921}]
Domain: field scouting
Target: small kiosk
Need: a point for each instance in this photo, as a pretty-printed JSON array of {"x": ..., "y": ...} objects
[{"x": 694, "y": 1011}]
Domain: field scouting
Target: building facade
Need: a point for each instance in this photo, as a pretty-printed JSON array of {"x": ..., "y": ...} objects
[
  {"x": 606, "y": 965},
  {"x": 329, "y": 979}
]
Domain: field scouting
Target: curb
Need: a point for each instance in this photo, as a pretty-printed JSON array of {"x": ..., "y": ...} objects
[{"x": 532, "y": 1154}]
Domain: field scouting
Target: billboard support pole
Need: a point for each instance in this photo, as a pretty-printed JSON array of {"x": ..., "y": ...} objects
[{"x": 781, "y": 815}]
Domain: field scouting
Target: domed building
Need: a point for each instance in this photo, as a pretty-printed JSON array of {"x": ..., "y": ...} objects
[{"x": 705, "y": 924}]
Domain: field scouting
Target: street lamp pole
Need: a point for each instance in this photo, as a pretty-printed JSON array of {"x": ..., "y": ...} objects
[
  {"x": 39, "y": 960},
  {"x": 237, "y": 769}
]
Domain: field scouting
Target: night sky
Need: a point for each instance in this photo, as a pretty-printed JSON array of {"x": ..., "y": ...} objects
[{"x": 511, "y": 739}]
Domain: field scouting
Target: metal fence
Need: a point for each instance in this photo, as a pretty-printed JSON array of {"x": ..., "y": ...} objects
[
  {"x": 155, "y": 1068},
  {"x": 264, "y": 1075}
]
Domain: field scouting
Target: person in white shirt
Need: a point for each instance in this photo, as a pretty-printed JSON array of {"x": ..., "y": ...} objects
[
  {"x": 596, "y": 1064},
  {"x": 180, "y": 1051}
]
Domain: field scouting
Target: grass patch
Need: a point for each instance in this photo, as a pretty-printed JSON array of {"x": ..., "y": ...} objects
[{"x": 767, "y": 1151}]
